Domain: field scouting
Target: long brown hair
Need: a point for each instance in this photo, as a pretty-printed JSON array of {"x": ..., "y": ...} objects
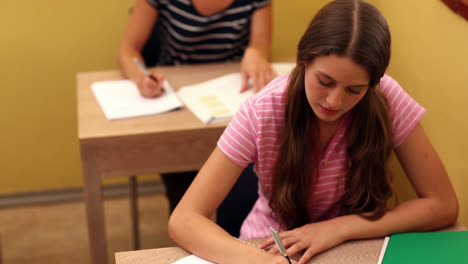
[{"x": 355, "y": 29}]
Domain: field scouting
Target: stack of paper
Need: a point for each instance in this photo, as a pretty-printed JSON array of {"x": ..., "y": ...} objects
[
  {"x": 121, "y": 99},
  {"x": 217, "y": 100}
]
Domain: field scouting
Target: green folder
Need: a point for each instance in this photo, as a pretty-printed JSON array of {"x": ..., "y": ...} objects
[{"x": 427, "y": 248}]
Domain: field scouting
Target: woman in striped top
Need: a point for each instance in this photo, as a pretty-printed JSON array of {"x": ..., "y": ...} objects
[
  {"x": 321, "y": 139},
  {"x": 200, "y": 31}
]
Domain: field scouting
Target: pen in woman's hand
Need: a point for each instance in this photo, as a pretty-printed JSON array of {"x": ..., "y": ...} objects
[{"x": 145, "y": 71}]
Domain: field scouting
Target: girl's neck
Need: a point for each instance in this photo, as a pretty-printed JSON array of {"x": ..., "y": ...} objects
[
  {"x": 327, "y": 126},
  {"x": 326, "y": 132}
]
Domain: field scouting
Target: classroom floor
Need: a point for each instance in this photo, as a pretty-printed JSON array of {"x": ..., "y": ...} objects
[{"x": 57, "y": 233}]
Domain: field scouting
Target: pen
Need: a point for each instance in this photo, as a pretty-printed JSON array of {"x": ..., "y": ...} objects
[
  {"x": 144, "y": 69},
  {"x": 279, "y": 244}
]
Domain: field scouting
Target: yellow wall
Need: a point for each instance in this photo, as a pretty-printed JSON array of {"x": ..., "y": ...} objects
[
  {"x": 430, "y": 60},
  {"x": 43, "y": 45}
]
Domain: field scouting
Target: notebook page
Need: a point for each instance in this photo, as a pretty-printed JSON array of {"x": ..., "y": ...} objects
[
  {"x": 192, "y": 259},
  {"x": 215, "y": 100},
  {"x": 121, "y": 99},
  {"x": 220, "y": 98}
]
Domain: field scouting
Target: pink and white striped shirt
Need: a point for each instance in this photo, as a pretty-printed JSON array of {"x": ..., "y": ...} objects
[{"x": 253, "y": 136}]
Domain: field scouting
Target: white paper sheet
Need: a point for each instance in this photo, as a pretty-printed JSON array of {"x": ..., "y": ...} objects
[
  {"x": 121, "y": 99},
  {"x": 192, "y": 259},
  {"x": 382, "y": 251}
]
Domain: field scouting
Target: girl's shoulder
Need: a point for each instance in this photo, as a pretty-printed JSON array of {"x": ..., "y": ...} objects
[
  {"x": 391, "y": 88},
  {"x": 388, "y": 83},
  {"x": 273, "y": 91},
  {"x": 405, "y": 112}
]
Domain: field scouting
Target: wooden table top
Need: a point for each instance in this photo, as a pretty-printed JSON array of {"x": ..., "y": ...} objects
[
  {"x": 93, "y": 124},
  {"x": 365, "y": 251}
]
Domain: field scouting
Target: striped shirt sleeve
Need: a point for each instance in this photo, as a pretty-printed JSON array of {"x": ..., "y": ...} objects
[
  {"x": 155, "y": 3},
  {"x": 261, "y": 3},
  {"x": 405, "y": 111},
  {"x": 238, "y": 140}
]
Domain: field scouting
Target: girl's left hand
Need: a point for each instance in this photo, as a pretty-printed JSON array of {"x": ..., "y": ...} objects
[
  {"x": 313, "y": 238},
  {"x": 255, "y": 66}
]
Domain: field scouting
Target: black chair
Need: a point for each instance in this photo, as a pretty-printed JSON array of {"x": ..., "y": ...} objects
[
  {"x": 152, "y": 49},
  {"x": 238, "y": 203}
]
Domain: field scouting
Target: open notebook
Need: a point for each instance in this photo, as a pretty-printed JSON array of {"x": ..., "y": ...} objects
[
  {"x": 121, "y": 99},
  {"x": 217, "y": 100},
  {"x": 192, "y": 259}
]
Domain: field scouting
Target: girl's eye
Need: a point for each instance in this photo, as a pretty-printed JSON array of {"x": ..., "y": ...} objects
[
  {"x": 329, "y": 84},
  {"x": 355, "y": 90}
]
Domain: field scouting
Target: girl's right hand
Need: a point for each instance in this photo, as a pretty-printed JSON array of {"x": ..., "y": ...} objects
[
  {"x": 274, "y": 259},
  {"x": 150, "y": 86},
  {"x": 312, "y": 238}
]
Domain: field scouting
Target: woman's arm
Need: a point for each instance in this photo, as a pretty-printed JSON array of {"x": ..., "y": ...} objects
[
  {"x": 190, "y": 225},
  {"x": 139, "y": 27},
  {"x": 255, "y": 62},
  {"x": 435, "y": 207}
]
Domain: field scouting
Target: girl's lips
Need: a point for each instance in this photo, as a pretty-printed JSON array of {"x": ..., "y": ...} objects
[{"x": 328, "y": 111}]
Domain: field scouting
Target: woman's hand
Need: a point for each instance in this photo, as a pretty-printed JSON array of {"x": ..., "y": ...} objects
[
  {"x": 313, "y": 238},
  {"x": 150, "y": 86},
  {"x": 255, "y": 66}
]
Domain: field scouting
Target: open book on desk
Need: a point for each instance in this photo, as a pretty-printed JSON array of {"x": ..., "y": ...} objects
[
  {"x": 121, "y": 99},
  {"x": 192, "y": 259},
  {"x": 217, "y": 100}
]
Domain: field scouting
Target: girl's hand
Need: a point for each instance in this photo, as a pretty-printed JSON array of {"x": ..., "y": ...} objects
[
  {"x": 150, "y": 86},
  {"x": 313, "y": 238},
  {"x": 255, "y": 66},
  {"x": 270, "y": 258}
]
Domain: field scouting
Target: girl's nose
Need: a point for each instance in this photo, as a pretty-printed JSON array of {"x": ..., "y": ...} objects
[{"x": 335, "y": 98}]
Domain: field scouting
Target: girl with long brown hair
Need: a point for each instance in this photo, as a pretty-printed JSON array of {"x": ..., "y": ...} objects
[{"x": 321, "y": 139}]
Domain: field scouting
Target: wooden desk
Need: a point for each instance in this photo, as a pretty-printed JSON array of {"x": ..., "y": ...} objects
[
  {"x": 170, "y": 142},
  {"x": 351, "y": 252}
]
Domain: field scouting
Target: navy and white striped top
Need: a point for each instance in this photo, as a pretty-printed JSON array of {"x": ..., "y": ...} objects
[{"x": 186, "y": 36}]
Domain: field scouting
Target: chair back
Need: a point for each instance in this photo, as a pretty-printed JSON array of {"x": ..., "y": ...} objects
[{"x": 152, "y": 49}]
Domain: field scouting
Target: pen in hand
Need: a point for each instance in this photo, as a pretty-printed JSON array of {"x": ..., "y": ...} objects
[
  {"x": 145, "y": 71},
  {"x": 279, "y": 244}
]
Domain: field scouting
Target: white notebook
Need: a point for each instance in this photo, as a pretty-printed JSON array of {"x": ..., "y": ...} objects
[
  {"x": 192, "y": 259},
  {"x": 121, "y": 99},
  {"x": 217, "y": 100}
]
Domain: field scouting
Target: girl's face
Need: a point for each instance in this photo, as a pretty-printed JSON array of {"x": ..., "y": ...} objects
[{"x": 334, "y": 85}]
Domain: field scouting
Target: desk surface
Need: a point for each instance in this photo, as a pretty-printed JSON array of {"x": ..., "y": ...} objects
[
  {"x": 169, "y": 142},
  {"x": 146, "y": 144},
  {"x": 351, "y": 252},
  {"x": 93, "y": 124}
]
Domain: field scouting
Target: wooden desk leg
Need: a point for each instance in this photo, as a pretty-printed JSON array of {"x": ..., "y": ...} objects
[
  {"x": 1, "y": 251},
  {"x": 94, "y": 214},
  {"x": 134, "y": 211}
]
